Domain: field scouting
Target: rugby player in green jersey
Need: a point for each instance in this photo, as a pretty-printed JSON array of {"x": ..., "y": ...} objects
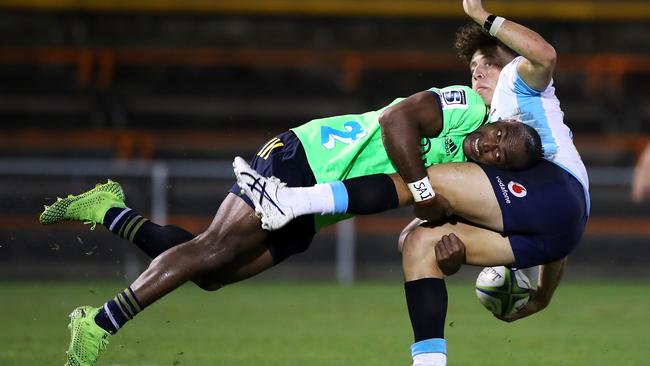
[{"x": 235, "y": 247}]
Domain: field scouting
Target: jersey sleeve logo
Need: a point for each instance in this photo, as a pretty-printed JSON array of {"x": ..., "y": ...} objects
[
  {"x": 454, "y": 99},
  {"x": 352, "y": 132}
]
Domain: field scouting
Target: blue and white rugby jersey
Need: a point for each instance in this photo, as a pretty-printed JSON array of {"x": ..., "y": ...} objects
[{"x": 540, "y": 109}]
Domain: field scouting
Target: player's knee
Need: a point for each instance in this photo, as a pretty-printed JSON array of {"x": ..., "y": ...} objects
[
  {"x": 419, "y": 256},
  {"x": 413, "y": 225},
  {"x": 418, "y": 245}
]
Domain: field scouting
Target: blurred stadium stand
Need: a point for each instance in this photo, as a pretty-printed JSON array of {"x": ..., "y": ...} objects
[{"x": 138, "y": 82}]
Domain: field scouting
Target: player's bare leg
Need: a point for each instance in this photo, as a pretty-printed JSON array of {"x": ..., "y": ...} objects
[
  {"x": 466, "y": 187},
  {"x": 484, "y": 248},
  {"x": 246, "y": 265},
  {"x": 470, "y": 194},
  {"x": 234, "y": 235},
  {"x": 425, "y": 289},
  {"x": 235, "y": 230}
]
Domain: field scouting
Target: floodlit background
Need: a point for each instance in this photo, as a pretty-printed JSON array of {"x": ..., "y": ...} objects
[{"x": 161, "y": 95}]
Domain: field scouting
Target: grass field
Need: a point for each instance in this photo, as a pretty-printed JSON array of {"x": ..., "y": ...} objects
[{"x": 326, "y": 324}]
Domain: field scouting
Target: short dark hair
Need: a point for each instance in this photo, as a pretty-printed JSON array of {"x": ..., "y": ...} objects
[
  {"x": 471, "y": 38},
  {"x": 533, "y": 146}
]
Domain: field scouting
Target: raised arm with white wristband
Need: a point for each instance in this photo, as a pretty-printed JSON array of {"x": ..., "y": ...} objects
[{"x": 540, "y": 56}]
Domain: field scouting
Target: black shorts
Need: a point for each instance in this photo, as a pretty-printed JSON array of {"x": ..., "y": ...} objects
[
  {"x": 544, "y": 211},
  {"x": 284, "y": 157}
]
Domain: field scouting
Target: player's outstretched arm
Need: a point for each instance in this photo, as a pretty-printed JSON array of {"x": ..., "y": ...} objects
[
  {"x": 550, "y": 275},
  {"x": 540, "y": 56}
]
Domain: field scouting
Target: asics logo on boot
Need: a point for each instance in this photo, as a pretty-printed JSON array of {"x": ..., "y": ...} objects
[{"x": 260, "y": 188}]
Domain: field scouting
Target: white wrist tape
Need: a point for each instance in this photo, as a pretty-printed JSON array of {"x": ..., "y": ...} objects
[
  {"x": 421, "y": 190},
  {"x": 496, "y": 25}
]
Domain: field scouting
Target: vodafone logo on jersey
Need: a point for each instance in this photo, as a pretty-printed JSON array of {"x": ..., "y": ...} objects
[{"x": 517, "y": 189}]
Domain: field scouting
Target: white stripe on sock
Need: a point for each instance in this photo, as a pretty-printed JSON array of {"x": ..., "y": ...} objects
[
  {"x": 118, "y": 218},
  {"x": 430, "y": 359},
  {"x": 110, "y": 316}
]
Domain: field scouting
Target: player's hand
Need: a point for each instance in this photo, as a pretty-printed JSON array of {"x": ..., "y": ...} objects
[
  {"x": 450, "y": 254},
  {"x": 474, "y": 8},
  {"x": 535, "y": 304},
  {"x": 433, "y": 209}
]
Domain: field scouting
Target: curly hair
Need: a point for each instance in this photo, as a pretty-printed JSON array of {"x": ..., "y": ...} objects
[{"x": 472, "y": 37}]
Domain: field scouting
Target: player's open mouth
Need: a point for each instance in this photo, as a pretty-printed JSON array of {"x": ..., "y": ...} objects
[{"x": 476, "y": 150}]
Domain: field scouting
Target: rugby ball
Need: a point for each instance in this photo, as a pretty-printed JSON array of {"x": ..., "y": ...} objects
[{"x": 502, "y": 290}]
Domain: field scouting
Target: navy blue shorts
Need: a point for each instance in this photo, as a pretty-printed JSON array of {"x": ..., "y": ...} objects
[
  {"x": 284, "y": 157},
  {"x": 544, "y": 211}
]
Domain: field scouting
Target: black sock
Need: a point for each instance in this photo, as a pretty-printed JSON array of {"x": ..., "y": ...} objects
[
  {"x": 152, "y": 238},
  {"x": 118, "y": 311},
  {"x": 371, "y": 194},
  {"x": 426, "y": 299}
]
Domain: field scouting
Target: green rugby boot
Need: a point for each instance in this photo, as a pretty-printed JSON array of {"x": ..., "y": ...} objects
[
  {"x": 88, "y": 207},
  {"x": 87, "y": 339}
]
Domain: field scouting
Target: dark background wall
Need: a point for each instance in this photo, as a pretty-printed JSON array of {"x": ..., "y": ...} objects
[{"x": 130, "y": 87}]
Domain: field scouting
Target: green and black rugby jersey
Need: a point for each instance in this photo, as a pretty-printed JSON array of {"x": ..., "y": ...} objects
[{"x": 350, "y": 146}]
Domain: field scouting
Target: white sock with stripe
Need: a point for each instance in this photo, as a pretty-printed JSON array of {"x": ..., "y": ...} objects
[
  {"x": 430, "y": 352},
  {"x": 328, "y": 198}
]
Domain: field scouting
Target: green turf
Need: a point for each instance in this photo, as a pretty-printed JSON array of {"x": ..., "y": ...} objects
[{"x": 324, "y": 324}]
